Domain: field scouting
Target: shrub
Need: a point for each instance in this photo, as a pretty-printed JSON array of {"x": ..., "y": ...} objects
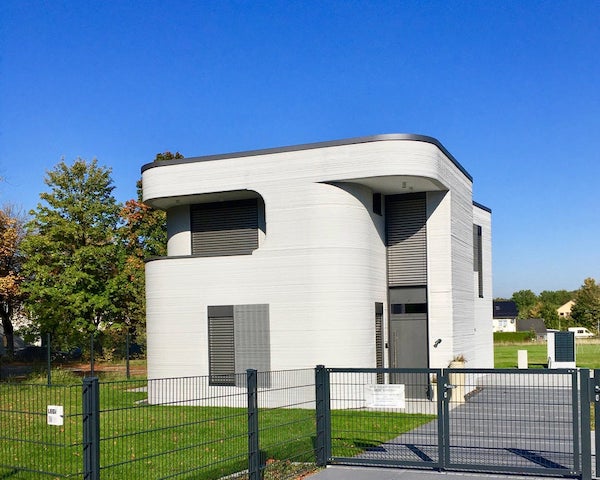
[{"x": 513, "y": 337}]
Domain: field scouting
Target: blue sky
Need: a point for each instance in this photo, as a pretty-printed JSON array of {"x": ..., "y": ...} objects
[{"x": 512, "y": 90}]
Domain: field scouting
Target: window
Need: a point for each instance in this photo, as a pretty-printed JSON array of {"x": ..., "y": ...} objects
[
  {"x": 379, "y": 352},
  {"x": 478, "y": 258},
  {"x": 377, "y": 203},
  {"x": 401, "y": 308},
  {"x": 238, "y": 339},
  {"x": 225, "y": 228}
]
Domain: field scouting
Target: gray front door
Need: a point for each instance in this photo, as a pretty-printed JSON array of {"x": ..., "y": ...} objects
[{"x": 408, "y": 337}]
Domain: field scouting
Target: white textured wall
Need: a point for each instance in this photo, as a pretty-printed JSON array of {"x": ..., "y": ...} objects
[
  {"x": 179, "y": 239},
  {"x": 484, "y": 339},
  {"x": 321, "y": 268},
  {"x": 439, "y": 278},
  {"x": 322, "y": 264}
]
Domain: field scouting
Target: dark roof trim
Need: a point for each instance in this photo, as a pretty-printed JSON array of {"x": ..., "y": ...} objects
[
  {"x": 309, "y": 146},
  {"x": 483, "y": 207}
]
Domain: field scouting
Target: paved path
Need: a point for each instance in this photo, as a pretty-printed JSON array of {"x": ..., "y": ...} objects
[{"x": 336, "y": 472}]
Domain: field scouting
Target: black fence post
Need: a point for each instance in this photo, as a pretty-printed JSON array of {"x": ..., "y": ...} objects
[
  {"x": 48, "y": 360},
  {"x": 127, "y": 356},
  {"x": 586, "y": 433},
  {"x": 91, "y": 429},
  {"x": 596, "y": 400},
  {"x": 253, "y": 441},
  {"x": 323, "y": 407}
]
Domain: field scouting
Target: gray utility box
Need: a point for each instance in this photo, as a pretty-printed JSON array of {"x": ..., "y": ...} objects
[{"x": 561, "y": 350}]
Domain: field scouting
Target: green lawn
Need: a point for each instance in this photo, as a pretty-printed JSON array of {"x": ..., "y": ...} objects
[
  {"x": 353, "y": 431},
  {"x": 587, "y": 354},
  {"x": 145, "y": 441}
]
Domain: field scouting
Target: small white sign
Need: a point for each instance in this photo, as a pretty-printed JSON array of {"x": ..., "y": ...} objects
[
  {"x": 55, "y": 415},
  {"x": 385, "y": 396}
]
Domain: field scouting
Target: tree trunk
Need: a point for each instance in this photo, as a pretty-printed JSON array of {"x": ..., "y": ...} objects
[{"x": 9, "y": 332}]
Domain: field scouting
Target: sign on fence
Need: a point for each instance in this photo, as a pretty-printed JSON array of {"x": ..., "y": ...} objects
[
  {"x": 385, "y": 396},
  {"x": 55, "y": 415}
]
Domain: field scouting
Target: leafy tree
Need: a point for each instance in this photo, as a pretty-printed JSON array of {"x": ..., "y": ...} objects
[
  {"x": 11, "y": 259},
  {"x": 555, "y": 298},
  {"x": 72, "y": 254},
  {"x": 586, "y": 311},
  {"x": 525, "y": 300},
  {"x": 144, "y": 235},
  {"x": 550, "y": 315}
]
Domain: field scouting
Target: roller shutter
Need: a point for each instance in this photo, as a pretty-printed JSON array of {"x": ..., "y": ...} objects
[
  {"x": 406, "y": 232},
  {"x": 224, "y": 228},
  {"x": 221, "y": 346}
]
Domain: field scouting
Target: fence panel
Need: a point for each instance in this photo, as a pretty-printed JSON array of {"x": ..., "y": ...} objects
[
  {"x": 385, "y": 424},
  {"x": 287, "y": 423},
  {"x": 523, "y": 421},
  {"x": 29, "y": 446},
  {"x": 172, "y": 428}
]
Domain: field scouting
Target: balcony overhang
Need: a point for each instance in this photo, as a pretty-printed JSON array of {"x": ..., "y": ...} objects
[
  {"x": 170, "y": 202},
  {"x": 398, "y": 184}
]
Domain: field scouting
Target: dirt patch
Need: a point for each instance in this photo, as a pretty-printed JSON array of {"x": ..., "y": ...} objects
[{"x": 85, "y": 369}]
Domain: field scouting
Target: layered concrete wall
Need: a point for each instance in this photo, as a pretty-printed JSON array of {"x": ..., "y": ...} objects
[{"x": 321, "y": 263}]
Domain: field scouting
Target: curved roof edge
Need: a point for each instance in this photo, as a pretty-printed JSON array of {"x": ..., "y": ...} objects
[
  {"x": 309, "y": 146},
  {"x": 483, "y": 207}
]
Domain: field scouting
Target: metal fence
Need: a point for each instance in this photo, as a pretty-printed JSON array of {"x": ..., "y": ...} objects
[
  {"x": 81, "y": 360},
  {"x": 282, "y": 424},
  {"x": 29, "y": 447},
  {"x": 158, "y": 429},
  {"x": 513, "y": 421}
]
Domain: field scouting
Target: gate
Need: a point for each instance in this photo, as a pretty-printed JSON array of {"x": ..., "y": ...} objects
[{"x": 510, "y": 421}]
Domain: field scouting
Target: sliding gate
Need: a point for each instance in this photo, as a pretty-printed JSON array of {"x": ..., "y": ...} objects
[{"x": 513, "y": 421}]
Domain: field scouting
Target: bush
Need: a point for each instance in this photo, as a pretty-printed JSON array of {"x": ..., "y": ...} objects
[{"x": 513, "y": 337}]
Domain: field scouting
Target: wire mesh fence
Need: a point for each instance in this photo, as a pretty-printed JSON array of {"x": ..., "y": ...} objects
[
  {"x": 282, "y": 424},
  {"x": 514, "y": 419},
  {"x": 40, "y": 431},
  {"x": 171, "y": 428},
  {"x": 395, "y": 422},
  {"x": 158, "y": 429},
  {"x": 287, "y": 423}
]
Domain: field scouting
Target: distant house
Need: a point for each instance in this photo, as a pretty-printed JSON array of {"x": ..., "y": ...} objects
[
  {"x": 536, "y": 325},
  {"x": 505, "y": 316},
  {"x": 565, "y": 310}
]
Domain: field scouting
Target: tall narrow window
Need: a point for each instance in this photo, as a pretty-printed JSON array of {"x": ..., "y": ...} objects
[
  {"x": 377, "y": 203},
  {"x": 221, "y": 346},
  {"x": 478, "y": 258},
  {"x": 379, "y": 340}
]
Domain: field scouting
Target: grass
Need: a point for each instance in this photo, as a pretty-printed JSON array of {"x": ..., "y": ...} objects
[
  {"x": 151, "y": 441},
  {"x": 353, "y": 431},
  {"x": 587, "y": 354}
]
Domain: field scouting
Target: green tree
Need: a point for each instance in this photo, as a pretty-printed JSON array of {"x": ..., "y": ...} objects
[
  {"x": 550, "y": 315},
  {"x": 144, "y": 235},
  {"x": 586, "y": 311},
  {"x": 72, "y": 254},
  {"x": 526, "y": 301},
  {"x": 556, "y": 297},
  {"x": 11, "y": 279}
]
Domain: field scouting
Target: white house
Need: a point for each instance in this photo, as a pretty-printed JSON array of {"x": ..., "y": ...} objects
[
  {"x": 505, "y": 316},
  {"x": 364, "y": 252},
  {"x": 564, "y": 311}
]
